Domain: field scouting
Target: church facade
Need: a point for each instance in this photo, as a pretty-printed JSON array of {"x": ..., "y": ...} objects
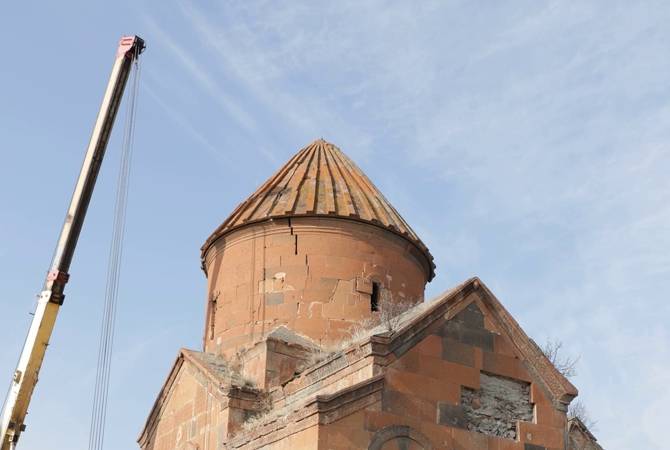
[{"x": 317, "y": 336}]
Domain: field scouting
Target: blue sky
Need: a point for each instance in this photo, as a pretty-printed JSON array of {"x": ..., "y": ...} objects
[{"x": 527, "y": 142}]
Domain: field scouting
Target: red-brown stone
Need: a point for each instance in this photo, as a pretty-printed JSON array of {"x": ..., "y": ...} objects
[{"x": 287, "y": 363}]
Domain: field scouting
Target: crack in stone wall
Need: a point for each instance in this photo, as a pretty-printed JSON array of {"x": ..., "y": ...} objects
[{"x": 496, "y": 407}]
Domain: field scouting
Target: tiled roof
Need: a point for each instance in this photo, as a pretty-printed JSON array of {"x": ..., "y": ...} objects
[{"x": 320, "y": 180}]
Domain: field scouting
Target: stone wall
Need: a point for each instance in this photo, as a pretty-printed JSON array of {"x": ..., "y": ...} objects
[
  {"x": 451, "y": 376},
  {"x": 313, "y": 275},
  {"x": 192, "y": 417},
  {"x": 459, "y": 386},
  {"x": 467, "y": 389},
  {"x": 497, "y": 406}
]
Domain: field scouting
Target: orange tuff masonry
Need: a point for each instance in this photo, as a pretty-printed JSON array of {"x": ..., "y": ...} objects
[
  {"x": 305, "y": 250},
  {"x": 312, "y": 274},
  {"x": 320, "y": 180},
  {"x": 297, "y": 355}
]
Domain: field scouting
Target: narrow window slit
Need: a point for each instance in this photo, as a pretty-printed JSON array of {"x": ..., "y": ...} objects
[
  {"x": 374, "y": 297},
  {"x": 212, "y": 313}
]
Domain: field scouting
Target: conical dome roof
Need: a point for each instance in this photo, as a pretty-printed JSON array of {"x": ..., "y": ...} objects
[{"x": 320, "y": 180}]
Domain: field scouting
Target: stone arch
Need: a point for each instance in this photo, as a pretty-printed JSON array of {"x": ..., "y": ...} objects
[{"x": 398, "y": 431}]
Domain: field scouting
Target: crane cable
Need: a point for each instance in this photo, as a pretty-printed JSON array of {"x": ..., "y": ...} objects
[{"x": 102, "y": 378}]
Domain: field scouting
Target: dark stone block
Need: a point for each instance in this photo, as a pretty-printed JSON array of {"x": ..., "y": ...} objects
[
  {"x": 451, "y": 329},
  {"x": 391, "y": 400},
  {"x": 401, "y": 403},
  {"x": 533, "y": 447},
  {"x": 274, "y": 298},
  {"x": 407, "y": 345},
  {"x": 478, "y": 337},
  {"x": 471, "y": 316},
  {"x": 457, "y": 352},
  {"x": 451, "y": 415}
]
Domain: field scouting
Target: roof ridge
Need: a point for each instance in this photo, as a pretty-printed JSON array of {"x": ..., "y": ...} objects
[{"x": 321, "y": 180}]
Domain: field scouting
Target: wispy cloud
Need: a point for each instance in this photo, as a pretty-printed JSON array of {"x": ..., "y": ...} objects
[
  {"x": 532, "y": 140},
  {"x": 266, "y": 70},
  {"x": 185, "y": 125},
  {"x": 202, "y": 77}
]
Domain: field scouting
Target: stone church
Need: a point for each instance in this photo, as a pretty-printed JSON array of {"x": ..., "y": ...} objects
[{"x": 317, "y": 336}]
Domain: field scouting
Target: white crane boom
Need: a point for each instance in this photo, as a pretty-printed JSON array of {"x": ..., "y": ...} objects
[{"x": 51, "y": 298}]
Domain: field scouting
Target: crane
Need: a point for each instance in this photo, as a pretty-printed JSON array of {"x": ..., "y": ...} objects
[{"x": 52, "y": 295}]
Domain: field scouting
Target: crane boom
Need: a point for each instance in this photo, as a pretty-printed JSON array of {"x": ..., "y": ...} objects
[{"x": 51, "y": 298}]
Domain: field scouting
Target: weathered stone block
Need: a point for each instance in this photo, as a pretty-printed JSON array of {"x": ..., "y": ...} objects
[
  {"x": 364, "y": 285},
  {"x": 533, "y": 447},
  {"x": 274, "y": 298},
  {"x": 451, "y": 415},
  {"x": 471, "y": 317},
  {"x": 292, "y": 260},
  {"x": 549, "y": 437},
  {"x": 431, "y": 345},
  {"x": 399, "y": 403},
  {"x": 502, "y": 346},
  {"x": 505, "y": 365},
  {"x": 467, "y": 440},
  {"x": 457, "y": 373},
  {"x": 457, "y": 352},
  {"x": 459, "y": 331},
  {"x": 327, "y": 283},
  {"x": 423, "y": 386}
]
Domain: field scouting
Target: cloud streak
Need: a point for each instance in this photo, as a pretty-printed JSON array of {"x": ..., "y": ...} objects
[
  {"x": 201, "y": 75},
  {"x": 185, "y": 125},
  {"x": 532, "y": 143}
]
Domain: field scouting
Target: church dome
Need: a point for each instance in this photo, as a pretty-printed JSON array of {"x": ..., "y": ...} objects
[{"x": 321, "y": 181}]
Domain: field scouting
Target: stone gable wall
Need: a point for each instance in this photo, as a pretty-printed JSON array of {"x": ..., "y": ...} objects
[
  {"x": 461, "y": 387},
  {"x": 452, "y": 383},
  {"x": 192, "y": 416}
]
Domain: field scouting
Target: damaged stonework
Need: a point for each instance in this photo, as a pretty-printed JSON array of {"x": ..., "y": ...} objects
[
  {"x": 382, "y": 390},
  {"x": 579, "y": 436},
  {"x": 308, "y": 342},
  {"x": 497, "y": 406}
]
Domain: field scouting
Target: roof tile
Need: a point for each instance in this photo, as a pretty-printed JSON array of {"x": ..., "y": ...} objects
[{"x": 320, "y": 180}]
